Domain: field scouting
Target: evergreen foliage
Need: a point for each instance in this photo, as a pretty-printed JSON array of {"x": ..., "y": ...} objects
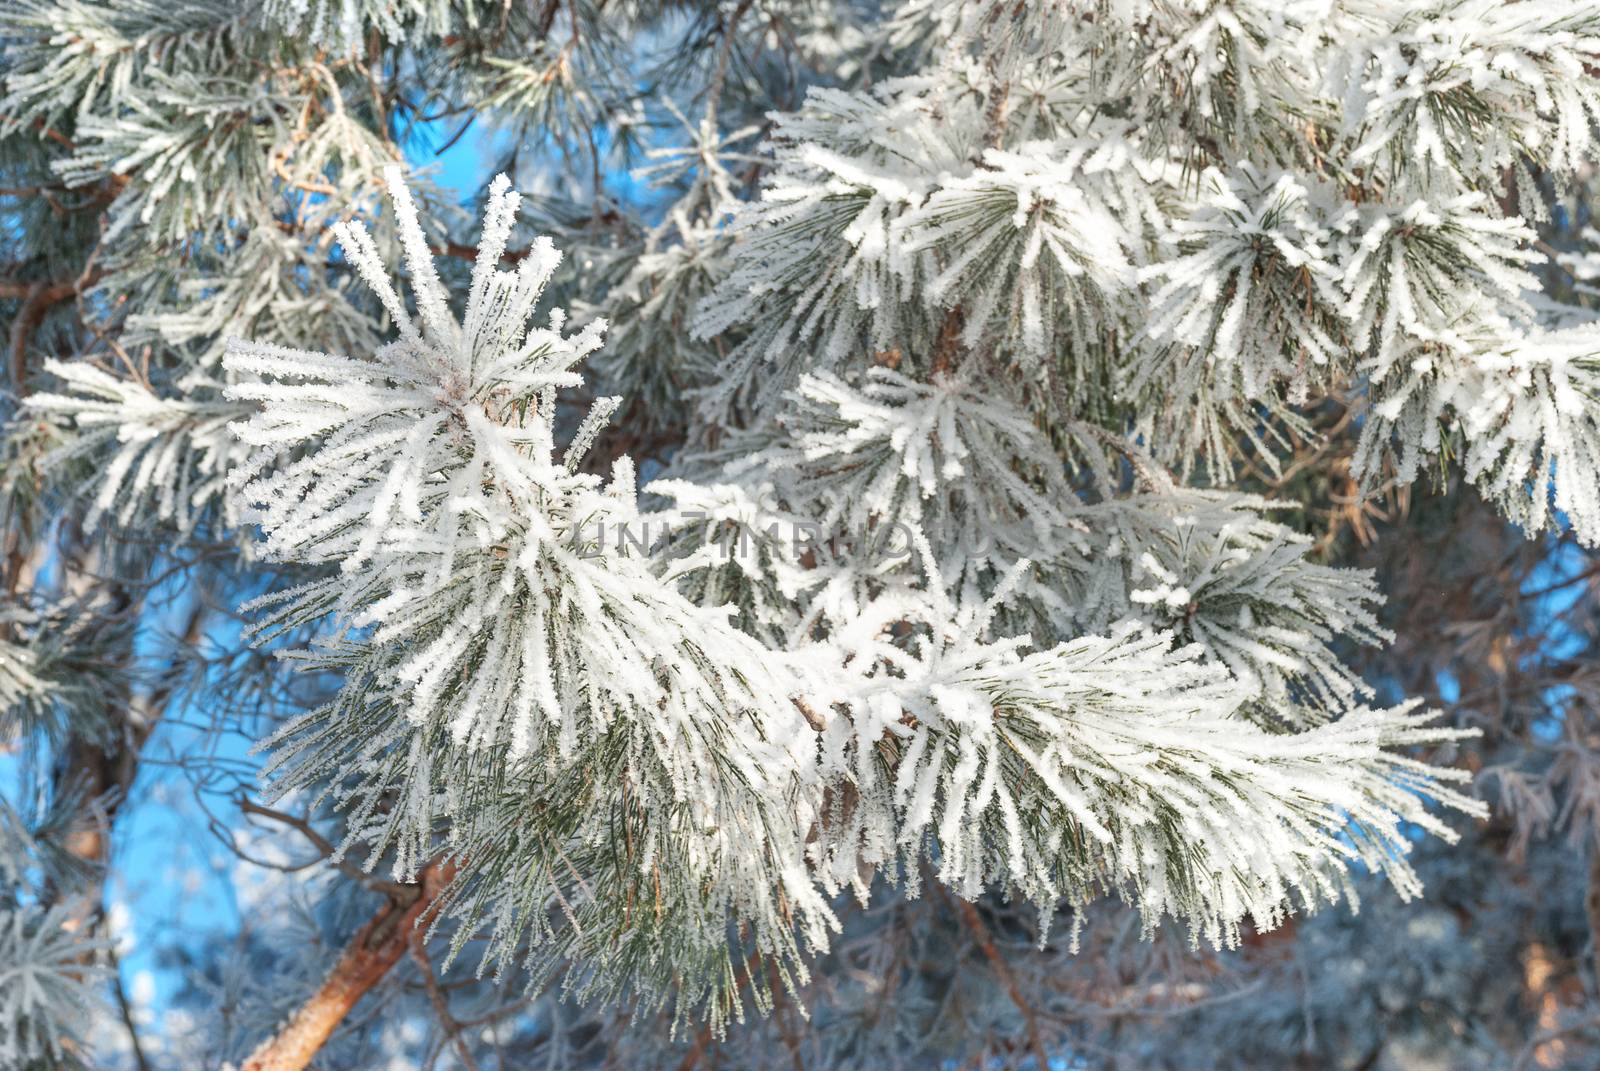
[{"x": 902, "y": 493}]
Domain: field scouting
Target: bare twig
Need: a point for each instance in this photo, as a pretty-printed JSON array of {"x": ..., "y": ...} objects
[
  {"x": 980, "y": 933},
  {"x": 126, "y": 1011},
  {"x": 37, "y": 299},
  {"x": 324, "y": 846},
  {"x": 441, "y": 1006}
]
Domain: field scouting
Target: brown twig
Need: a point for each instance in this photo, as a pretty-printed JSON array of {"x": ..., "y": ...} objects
[
  {"x": 441, "y": 1006},
  {"x": 125, "y": 1011},
  {"x": 813, "y": 719},
  {"x": 42, "y": 127},
  {"x": 37, "y": 299},
  {"x": 948, "y": 344},
  {"x": 780, "y": 1014},
  {"x": 463, "y": 251},
  {"x": 369, "y": 956},
  {"x": 980, "y": 933},
  {"x": 324, "y": 847},
  {"x": 692, "y": 1057},
  {"x": 719, "y": 76}
]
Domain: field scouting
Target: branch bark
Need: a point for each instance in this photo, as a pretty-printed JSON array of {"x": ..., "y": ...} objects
[{"x": 369, "y": 956}]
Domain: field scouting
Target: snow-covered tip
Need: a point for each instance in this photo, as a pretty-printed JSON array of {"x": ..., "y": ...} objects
[
  {"x": 380, "y": 437},
  {"x": 492, "y": 337}
]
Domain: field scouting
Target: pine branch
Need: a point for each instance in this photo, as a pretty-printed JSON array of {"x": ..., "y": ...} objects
[{"x": 367, "y": 959}]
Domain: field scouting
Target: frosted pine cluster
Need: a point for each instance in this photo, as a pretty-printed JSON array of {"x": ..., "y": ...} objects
[
  {"x": 495, "y": 645},
  {"x": 885, "y": 513}
]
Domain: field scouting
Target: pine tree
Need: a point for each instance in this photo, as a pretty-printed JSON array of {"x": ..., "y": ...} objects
[{"x": 895, "y": 505}]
